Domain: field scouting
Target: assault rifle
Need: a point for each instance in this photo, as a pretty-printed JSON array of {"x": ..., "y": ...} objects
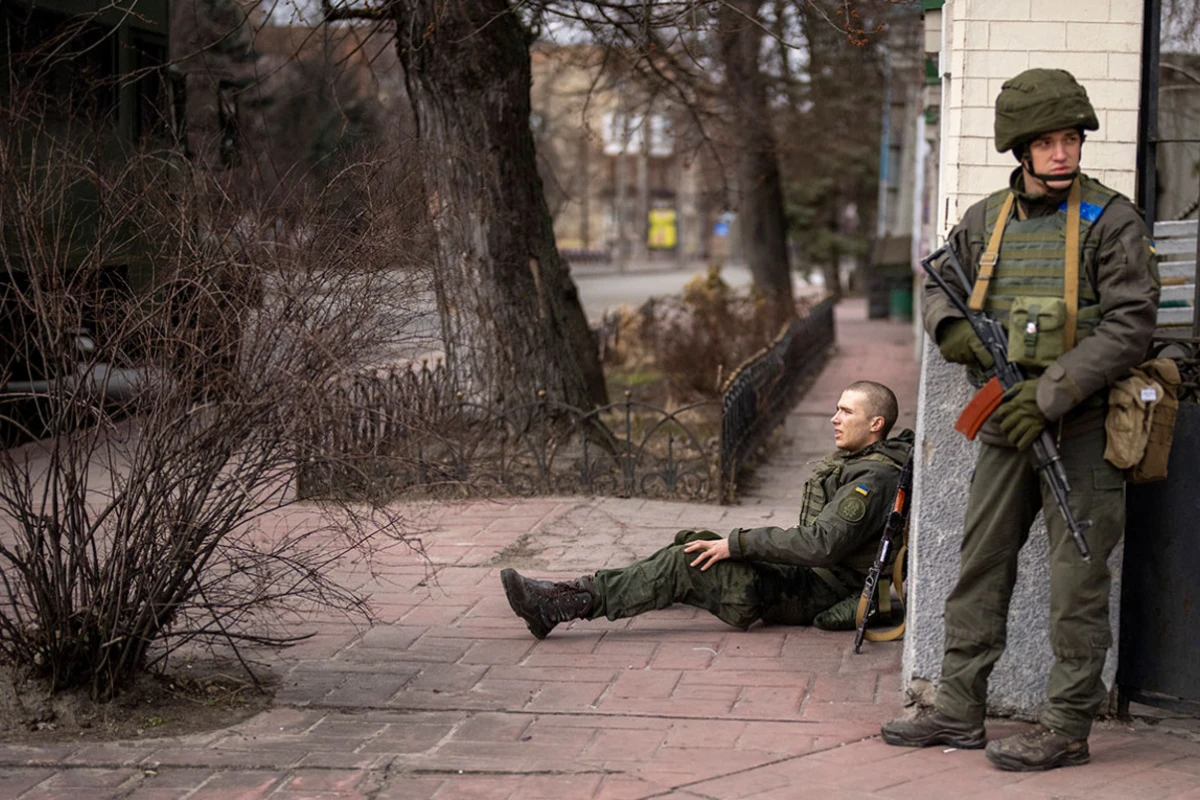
[
  {"x": 1005, "y": 375},
  {"x": 892, "y": 531}
]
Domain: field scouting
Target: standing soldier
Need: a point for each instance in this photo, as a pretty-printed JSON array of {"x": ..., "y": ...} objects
[{"x": 1068, "y": 266}]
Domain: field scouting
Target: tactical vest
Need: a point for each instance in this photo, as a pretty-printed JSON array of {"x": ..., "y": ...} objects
[
  {"x": 1032, "y": 256},
  {"x": 828, "y": 468}
]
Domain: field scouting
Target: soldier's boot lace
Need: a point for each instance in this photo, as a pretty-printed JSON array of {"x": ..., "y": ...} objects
[
  {"x": 544, "y": 604},
  {"x": 1039, "y": 749},
  {"x": 927, "y": 726}
]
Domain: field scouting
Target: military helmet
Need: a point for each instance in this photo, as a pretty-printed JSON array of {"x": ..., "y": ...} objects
[{"x": 1041, "y": 100}]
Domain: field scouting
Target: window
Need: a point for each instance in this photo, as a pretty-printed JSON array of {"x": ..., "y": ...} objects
[
  {"x": 70, "y": 60},
  {"x": 153, "y": 104}
]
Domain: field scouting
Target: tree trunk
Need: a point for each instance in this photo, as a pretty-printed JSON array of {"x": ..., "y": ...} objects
[
  {"x": 511, "y": 314},
  {"x": 762, "y": 219},
  {"x": 833, "y": 270}
]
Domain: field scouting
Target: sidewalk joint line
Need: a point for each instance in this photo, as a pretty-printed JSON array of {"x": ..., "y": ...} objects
[
  {"x": 744, "y": 770},
  {"x": 542, "y": 713}
]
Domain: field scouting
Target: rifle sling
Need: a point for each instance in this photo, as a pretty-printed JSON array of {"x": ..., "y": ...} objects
[
  {"x": 987, "y": 264},
  {"x": 889, "y": 634},
  {"x": 1071, "y": 272}
]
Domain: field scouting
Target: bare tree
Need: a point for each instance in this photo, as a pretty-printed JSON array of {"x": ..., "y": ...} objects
[
  {"x": 764, "y": 227},
  {"x": 752, "y": 105},
  {"x": 836, "y": 163},
  {"x": 167, "y": 420},
  {"x": 511, "y": 313}
]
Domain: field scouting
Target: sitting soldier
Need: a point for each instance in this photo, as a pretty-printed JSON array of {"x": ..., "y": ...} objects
[{"x": 808, "y": 574}]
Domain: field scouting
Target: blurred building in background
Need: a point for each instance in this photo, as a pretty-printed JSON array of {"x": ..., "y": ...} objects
[{"x": 626, "y": 175}]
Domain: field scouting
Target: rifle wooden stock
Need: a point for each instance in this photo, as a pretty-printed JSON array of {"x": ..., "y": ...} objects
[{"x": 985, "y": 401}]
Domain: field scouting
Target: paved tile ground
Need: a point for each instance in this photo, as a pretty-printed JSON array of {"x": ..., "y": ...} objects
[{"x": 450, "y": 697}]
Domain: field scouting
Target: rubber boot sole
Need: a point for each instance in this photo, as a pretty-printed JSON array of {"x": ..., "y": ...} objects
[
  {"x": 1013, "y": 764},
  {"x": 514, "y": 590},
  {"x": 962, "y": 741}
]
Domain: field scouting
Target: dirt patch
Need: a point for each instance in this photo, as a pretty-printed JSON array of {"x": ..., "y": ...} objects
[{"x": 198, "y": 696}]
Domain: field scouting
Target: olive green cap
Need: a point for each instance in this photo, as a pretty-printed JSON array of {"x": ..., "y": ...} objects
[{"x": 1041, "y": 100}]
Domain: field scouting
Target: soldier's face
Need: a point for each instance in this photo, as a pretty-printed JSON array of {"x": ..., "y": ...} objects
[
  {"x": 853, "y": 426},
  {"x": 1054, "y": 153}
]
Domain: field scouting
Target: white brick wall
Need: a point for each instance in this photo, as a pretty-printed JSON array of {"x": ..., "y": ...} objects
[{"x": 988, "y": 41}]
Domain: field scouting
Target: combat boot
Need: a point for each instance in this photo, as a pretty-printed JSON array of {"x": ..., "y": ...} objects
[
  {"x": 543, "y": 604},
  {"x": 1042, "y": 748},
  {"x": 928, "y": 726},
  {"x": 839, "y": 617}
]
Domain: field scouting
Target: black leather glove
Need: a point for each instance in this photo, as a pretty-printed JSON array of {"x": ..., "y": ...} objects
[
  {"x": 1020, "y": 418},
  {"x": 960, "y": 345}
]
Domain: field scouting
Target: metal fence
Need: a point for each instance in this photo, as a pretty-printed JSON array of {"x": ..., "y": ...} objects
[
  {"x": 402, "y": 431},
  {"x": 757, "y": 397}
]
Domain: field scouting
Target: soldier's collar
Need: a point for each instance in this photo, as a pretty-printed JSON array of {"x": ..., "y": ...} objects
[{"x": 1035, "y": 205}]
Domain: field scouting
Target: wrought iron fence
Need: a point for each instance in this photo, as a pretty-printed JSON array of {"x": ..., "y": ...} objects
[
  {"x": 541, "y": 447},
  {"x": 757, "y": 397},
  {"x": 398, "y": 431}
]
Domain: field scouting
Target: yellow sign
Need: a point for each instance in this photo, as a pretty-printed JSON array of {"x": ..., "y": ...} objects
[{"x": 662, "y": 228}]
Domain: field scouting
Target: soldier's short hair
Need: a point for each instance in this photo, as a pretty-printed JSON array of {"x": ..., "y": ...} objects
[{"x": 881, "y": 402}]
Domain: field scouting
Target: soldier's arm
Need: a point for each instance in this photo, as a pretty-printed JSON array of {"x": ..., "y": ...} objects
[
  {"x": 937, "y": 309},
  {"x": 1126, "y": 280},
  {"x": 854, "y": 514}
]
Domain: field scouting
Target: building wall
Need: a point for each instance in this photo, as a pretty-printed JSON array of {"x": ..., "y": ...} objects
[{"x": 982, "y": 44}]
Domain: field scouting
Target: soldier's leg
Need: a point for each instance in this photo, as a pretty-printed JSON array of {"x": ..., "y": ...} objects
[
  {"x": 728, "y": 590},
  {"x": 793, "y": 595},
  {"x": 1003, "y": 501},
  {"x": 1080, "y": 633}
]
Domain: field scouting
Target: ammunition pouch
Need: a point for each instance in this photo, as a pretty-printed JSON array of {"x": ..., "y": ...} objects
[{"x": 1036, "y": 331}]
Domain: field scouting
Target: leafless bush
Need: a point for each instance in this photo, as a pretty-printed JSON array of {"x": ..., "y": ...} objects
[
  {"x": 694, "y": 339},
  {"x": 162, "y": 348}
]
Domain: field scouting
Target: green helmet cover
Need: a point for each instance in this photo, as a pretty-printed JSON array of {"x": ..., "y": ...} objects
[{"x": 1038, "y": 101}]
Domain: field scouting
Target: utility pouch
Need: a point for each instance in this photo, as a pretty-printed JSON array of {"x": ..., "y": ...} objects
[
  {"x": 1036, "y": 331},
  {"x": 1141, "y": 420},
  {"x": 1131, "y": 405}
]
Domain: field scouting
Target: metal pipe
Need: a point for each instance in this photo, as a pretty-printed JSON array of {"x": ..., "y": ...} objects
[
  {"x": 1147, "y": 188},
  {"x": 1196, "y": 282}
]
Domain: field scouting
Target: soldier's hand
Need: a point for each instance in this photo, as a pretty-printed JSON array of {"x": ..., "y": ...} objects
[
  {"x": 960, "y": 345},
  {"x": 711, "y": 551},
  {"x": 1020, "y": 418}
]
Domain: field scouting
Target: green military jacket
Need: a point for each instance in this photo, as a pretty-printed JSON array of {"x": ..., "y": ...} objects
[
  {"x": 1117, "y": 258},
  {"x": 858, "y": 489}
]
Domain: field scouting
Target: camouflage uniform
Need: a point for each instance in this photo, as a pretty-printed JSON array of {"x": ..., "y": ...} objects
[
  {"x": 779, "y": 575},
  {"x": 1118, "y": 300}
]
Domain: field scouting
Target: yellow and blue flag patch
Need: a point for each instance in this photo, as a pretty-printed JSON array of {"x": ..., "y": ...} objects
[{"x": 862, "y": 489}]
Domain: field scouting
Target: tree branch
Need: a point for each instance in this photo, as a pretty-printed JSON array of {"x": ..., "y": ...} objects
[{"x": 340, "y": 12}]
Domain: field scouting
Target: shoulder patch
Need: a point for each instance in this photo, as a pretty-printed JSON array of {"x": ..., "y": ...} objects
[
  {"x": 852, "y": 509},
  {"x": 863, "y": 489}
]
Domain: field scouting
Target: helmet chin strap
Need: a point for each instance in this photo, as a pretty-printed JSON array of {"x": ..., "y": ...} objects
[{"x": 1027, "y": 163}]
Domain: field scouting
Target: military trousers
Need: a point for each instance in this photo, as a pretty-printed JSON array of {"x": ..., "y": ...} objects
[
  {"x": 1006, "y": 494},
  {"x": 736, "y": 592}
]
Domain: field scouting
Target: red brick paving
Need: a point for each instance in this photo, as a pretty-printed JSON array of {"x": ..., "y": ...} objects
[{"x": 450, "y": 697}]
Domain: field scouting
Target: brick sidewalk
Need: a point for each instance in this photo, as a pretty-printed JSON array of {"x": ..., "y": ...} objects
[{"x": 450, "y": 697}]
